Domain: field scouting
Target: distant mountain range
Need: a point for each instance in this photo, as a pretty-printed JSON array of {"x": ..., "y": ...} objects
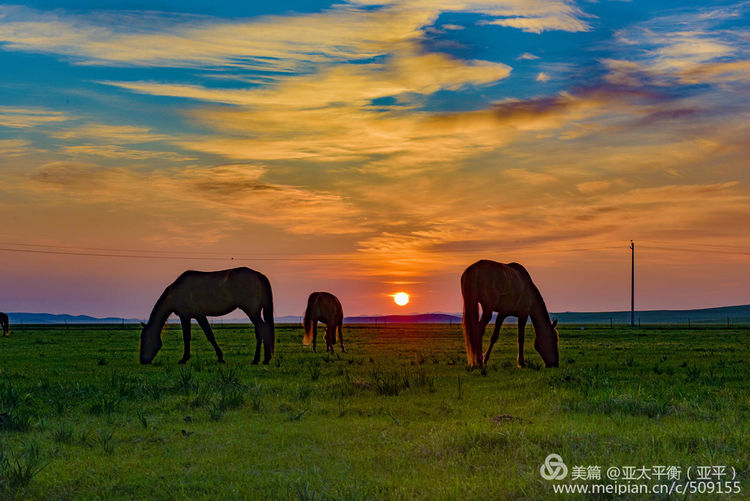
[
  {"x": 731, "y": 314},
  {"x": 50, "y": 318}
]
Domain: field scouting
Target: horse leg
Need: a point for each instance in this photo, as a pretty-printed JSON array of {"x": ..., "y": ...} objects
[
  {"x": 266, "y": 344},
  {"x": 329, "y": 338},
  {"x": 493, "y": 339},
  {"x": 521, "y": 331},
  {"x": 477, "y": 341},
  {"x": 185, "y": 321},
  {"x": 315, "y": 334},
  {"x": 255, "y": 319},
  {"x": 203, "y": 322},
  {"x": 341, "y": 337}
]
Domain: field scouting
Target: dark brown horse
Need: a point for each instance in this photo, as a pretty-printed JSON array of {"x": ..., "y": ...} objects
[
  {"x": 508, "y": 290},
  {"x": 198, "y": 294},
  {"x": 323, "y": 307},
  {"x": 4, "y": 324}
]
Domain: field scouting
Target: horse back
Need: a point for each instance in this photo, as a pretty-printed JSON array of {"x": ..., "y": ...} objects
[
  {"x": 215, "y": 291},
  {"x": 325, "y": 306},
  {"x": 499, "y": 286}
]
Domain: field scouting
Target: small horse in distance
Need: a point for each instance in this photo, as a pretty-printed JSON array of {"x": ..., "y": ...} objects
[
  {"x": 508, "y": 290},
  {"x": 4, "y": 324},
  {"x": 326, "y": 308},
  {"x": 198, "y": 294}
]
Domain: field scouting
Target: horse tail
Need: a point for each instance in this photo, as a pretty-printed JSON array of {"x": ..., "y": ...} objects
[
  {"x": 470, "y": 317},
  {"x": 307, "y": 339},
  {"x": 267, "y": 303}
]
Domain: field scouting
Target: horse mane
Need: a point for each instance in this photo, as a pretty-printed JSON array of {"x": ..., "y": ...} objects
[
  {"x": 533, "y": 289},
  {"x": 158, "y": 312}
]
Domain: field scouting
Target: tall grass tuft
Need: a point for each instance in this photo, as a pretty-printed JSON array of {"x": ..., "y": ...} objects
[
  {"x": 63, "y": 434},
  {"x": 314, "y": 369},
  {"x": 256, "y": 396},
  {"x": 304, "y": 492},
  {"x": 103, "y": 403},
  {"x": 104, "y": 440},
  {"x": 185, "y": 380},
  {"x": 17, "y": 470},
  {"x": 390, "y": 382},
  {"x": 142, "y": 418},
  {"x": 227, "y": 378}
]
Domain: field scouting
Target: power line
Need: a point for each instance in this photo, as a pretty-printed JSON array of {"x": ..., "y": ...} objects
[
  {"x": 64, "y": 250},
  {"x": 700, "y": 251},
  {"x": 198, "y": 258},
  {"x": 69, "y": 250},
  {"x": 110, "y": 249},
  {"x": 694, "y": 244}
]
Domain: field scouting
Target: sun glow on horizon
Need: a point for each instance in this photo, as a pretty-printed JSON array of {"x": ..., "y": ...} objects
[{"x": 401, "y": 298}]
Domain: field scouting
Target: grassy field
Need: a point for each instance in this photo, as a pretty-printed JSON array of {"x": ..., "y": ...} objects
[{"x": 398, "y": 416}]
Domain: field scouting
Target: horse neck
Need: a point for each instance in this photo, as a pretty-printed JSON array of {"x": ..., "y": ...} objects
[
  {"x": 538, "y": 311},
  {"x": 162, "y": 310}
]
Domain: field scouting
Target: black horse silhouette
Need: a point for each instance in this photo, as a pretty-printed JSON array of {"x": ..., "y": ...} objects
[
  {"x": 198, "y": 294},
  {"x": 4, "y": 324},
  {"x": 508, "y": 290},
  {"x": 323, "y": 307}
]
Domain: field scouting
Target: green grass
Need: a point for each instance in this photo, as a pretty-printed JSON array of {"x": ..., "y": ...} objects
[{"x": 396, "y": 417}]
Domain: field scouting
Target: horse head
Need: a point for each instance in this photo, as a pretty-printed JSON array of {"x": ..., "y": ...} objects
[
  {"x": 545, "y": 343},
  {"x": 150, "y": 342}
]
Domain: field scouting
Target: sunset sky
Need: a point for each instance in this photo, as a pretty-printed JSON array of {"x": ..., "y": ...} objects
[{"x": 367, "y": 148}]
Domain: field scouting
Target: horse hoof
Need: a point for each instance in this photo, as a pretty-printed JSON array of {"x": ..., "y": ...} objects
[
  {"x": 521, "y": 365},
  {"x": 221, "y": 361},
  {"x": 182, "y": 362},
  {"x": 265, "y": 362},
  {"x": 254, "y": 362}
]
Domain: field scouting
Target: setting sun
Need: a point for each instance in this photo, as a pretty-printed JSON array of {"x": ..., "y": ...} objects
[{"x": 401, "y": 299}]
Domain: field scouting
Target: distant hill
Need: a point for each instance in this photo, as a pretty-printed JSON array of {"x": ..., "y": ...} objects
[
  {"x": 49, "y": 318},
  {"x": 735, "y": 314},
  {"x": 424, "y": 318},
  {"x": 720, "y": 315}
]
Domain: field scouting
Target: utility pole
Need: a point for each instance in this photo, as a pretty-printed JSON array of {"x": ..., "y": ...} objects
[{"x": 632, "y": 284}]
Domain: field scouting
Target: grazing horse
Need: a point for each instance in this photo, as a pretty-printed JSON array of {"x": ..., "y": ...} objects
[
  {"x": 4, "y": 324},
  {"x": 508, "y": 290},
  {"x": 326, "y": 308},
  {"x": 197, "y": 294}
]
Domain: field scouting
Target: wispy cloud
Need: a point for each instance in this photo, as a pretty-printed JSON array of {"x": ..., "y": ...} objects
[
  {"x": 352, "y": 30},
  {"x": 400, "y": 75},
  {"x": 236, "y": 192},
  {"x": 19, "y": 118},
  {"x": 125, "y": 134},
  {"x": 13, "y": 147},
  {"x": 688, "y": 47}
]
